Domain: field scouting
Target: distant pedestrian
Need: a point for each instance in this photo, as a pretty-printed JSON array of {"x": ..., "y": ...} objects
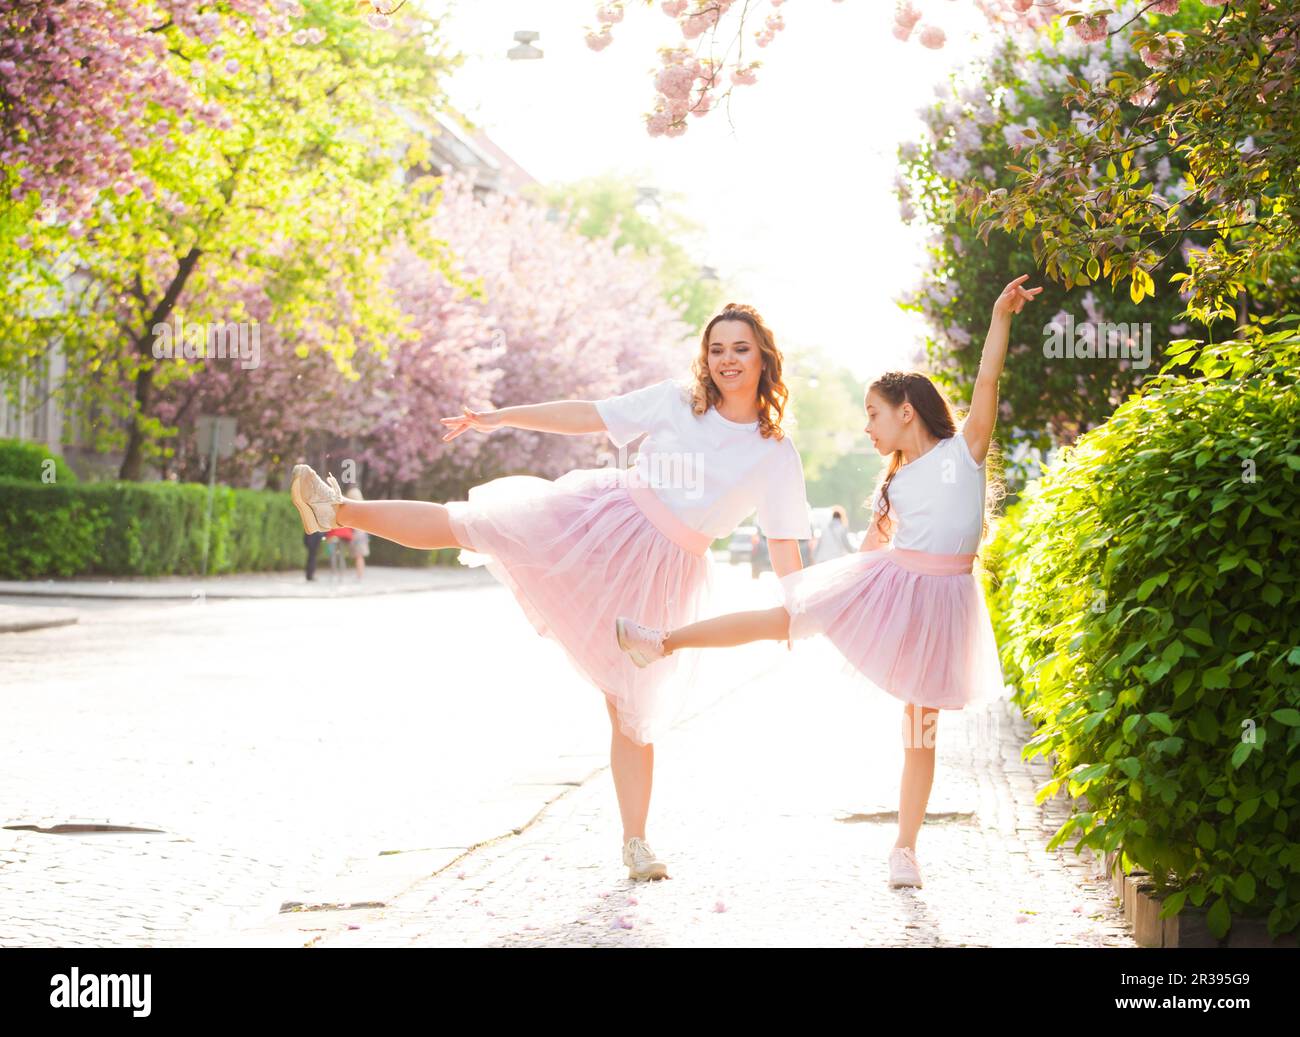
[
  {"x": 834, "y": 541},
  {"x": 360, "y": 545},
  {"x": 312, "y": 542}
]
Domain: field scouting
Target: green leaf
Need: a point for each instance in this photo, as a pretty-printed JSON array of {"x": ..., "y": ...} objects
[
  {"x": 1244, "y": 887},
  {"x": 1150, "y": 584},
  {"x": 1173, "y": 904},
  {"x": 1218, "y": 918},
  {"x": 1215, "y": 678},
  {"x": 1161, "y": 722},
  {"x": 1290, "y": 717}
]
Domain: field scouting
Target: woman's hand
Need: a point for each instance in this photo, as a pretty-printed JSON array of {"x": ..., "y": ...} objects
[
  {"x": 1013, "y": 297},
  {"x": 480, "y": 421}
]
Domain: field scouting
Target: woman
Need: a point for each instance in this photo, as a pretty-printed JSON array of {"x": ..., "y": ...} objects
[
  {"x": 834, "y": 541},
  {"x": 580, "y": 550},
  {"x": 907, "y": 611}
]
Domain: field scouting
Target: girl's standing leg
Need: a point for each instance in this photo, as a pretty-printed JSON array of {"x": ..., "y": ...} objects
[
  {"x": 413, "y": 523},
  {"x": 919, "y": 723},
  {"x": 633, "y": 768}
]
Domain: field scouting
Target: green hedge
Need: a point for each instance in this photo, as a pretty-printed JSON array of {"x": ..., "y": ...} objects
[
  {"x": 142, "y": 529},
  {"x": 385, "y": 552},
  {"x": 1147, "y": 604},
  {"x": 22, "y": 460}
]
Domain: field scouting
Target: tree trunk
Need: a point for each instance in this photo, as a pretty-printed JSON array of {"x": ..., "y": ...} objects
[{"x": 133, "y": 459}]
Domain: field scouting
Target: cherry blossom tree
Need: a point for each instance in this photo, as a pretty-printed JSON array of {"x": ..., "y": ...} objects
[
  {"x": 292, "y": 191},
  {"x": 531, "y": 311},
  {"x": 711, "y": 46},
  {"x": 83, "y": 84}
]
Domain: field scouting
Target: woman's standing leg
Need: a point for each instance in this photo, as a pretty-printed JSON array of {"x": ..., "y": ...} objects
[
  {"x": 633, "y": 768},
  {"x": 919, "y": 724},
  {"x": 413, "y": 523}
]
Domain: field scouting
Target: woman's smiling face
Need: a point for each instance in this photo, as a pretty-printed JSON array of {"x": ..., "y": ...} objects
[{"x": 735, "y": 363}]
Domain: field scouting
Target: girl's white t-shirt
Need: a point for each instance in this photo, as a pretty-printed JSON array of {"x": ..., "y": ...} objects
[
  {"x": 938, "y": 500},
  {"x": 711, "y": 472}
]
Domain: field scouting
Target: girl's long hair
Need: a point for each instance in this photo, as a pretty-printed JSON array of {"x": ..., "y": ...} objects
[
  {"x": 772, "y": 393},
  {"x": 940, "y": 420}
]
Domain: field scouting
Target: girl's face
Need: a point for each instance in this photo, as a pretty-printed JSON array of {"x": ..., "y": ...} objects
[
  {"x": 735, "y": 362},
  {"x": 887, "y": 424}
]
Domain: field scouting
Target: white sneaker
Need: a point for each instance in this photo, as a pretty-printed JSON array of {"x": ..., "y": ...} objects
[
  {"x": 641, "y": 860},
  {"x": 903, "y": 867},
  {"x": 643, "y": 644},
  {"x": 315, "y": 499}
]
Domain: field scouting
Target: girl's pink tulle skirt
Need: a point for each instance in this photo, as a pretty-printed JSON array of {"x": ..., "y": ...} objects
[
  {"x": 912, "y": 623},
  {"x": 581, "y": 550}
]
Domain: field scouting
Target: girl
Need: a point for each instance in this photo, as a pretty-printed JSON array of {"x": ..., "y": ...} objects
[
  {"x": 578, "y": 551},
  {"x": 909, "y": 618}
]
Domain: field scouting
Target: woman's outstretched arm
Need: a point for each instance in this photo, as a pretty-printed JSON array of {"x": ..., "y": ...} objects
[
  {"x": 978, "y": 427},
  {"x": 565, "y": 417}
]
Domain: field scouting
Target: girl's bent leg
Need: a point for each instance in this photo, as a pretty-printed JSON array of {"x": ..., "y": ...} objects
[
  {"x": 918, "y": 771},
  {"x": 633, "y": 769},
  {"x": 411, "y": 523},
  {"x": 736, "y": 628}
]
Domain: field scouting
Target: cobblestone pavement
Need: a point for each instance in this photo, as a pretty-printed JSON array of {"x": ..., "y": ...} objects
[
  {"x": 255, "y": 753},
  {"x": 379, "y": 579},
  {"x": 278, "y": 765},
  {"x": 775, "y": 811}
]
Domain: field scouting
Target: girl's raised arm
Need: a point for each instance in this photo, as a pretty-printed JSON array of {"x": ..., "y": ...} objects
[
  {"x": 566, "y": 417},
  {"x": 978, "y": 427}
]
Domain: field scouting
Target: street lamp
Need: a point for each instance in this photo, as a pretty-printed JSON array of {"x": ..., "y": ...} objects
[{"x": 525, "y": 51}]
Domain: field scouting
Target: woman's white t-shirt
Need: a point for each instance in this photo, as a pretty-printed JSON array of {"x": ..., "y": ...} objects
[
  {"x": 710, "y": 471},
  {"x": 938, "y": 500}
]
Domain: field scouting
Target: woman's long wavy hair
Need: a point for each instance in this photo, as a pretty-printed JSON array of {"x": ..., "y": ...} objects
[
  {"x": 772, "y": 393},
  {"x": 940, "y": 419}
]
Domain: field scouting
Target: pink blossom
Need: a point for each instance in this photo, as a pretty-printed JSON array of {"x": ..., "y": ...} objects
[
  {"x": 1092, "y": 29},
  {"x": 933, "y": 37}
]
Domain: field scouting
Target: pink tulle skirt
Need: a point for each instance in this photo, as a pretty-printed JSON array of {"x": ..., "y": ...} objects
[
  {"x": 911, "y": 623},
  {"x": 579, "y": 551}
]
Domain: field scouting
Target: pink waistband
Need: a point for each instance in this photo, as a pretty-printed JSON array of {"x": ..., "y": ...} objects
[
  {"x": 662, "y": 518},
  {"x": 932, "y": 564}
]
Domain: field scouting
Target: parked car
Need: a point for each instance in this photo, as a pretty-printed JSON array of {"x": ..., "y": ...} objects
[{"x": 741, "y": 546}]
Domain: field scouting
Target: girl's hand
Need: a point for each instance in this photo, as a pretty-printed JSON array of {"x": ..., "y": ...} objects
[
  {"x": 1013, "y": 297},
  {"x": 480, "y": 421}
]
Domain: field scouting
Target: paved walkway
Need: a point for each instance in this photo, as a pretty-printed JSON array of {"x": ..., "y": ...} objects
[
  {"x": 429, "y": 755},
  {"x": 293, "y": 584},
  {"x": 775, "y": 810}
]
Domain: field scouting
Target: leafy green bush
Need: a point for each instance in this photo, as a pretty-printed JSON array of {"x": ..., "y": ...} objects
[
  {"x": 1147, "y": 604},
  {"x": 22, "y": 460},
  {"x": 142, "y": 529}
]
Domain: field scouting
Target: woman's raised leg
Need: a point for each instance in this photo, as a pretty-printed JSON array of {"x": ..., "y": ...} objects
[
  {"x": 412, "y": 523},
  {"x": 736, "y": 628}
]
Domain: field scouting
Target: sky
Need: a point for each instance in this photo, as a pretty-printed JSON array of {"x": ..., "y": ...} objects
[{"x": 793, "y": 194}]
